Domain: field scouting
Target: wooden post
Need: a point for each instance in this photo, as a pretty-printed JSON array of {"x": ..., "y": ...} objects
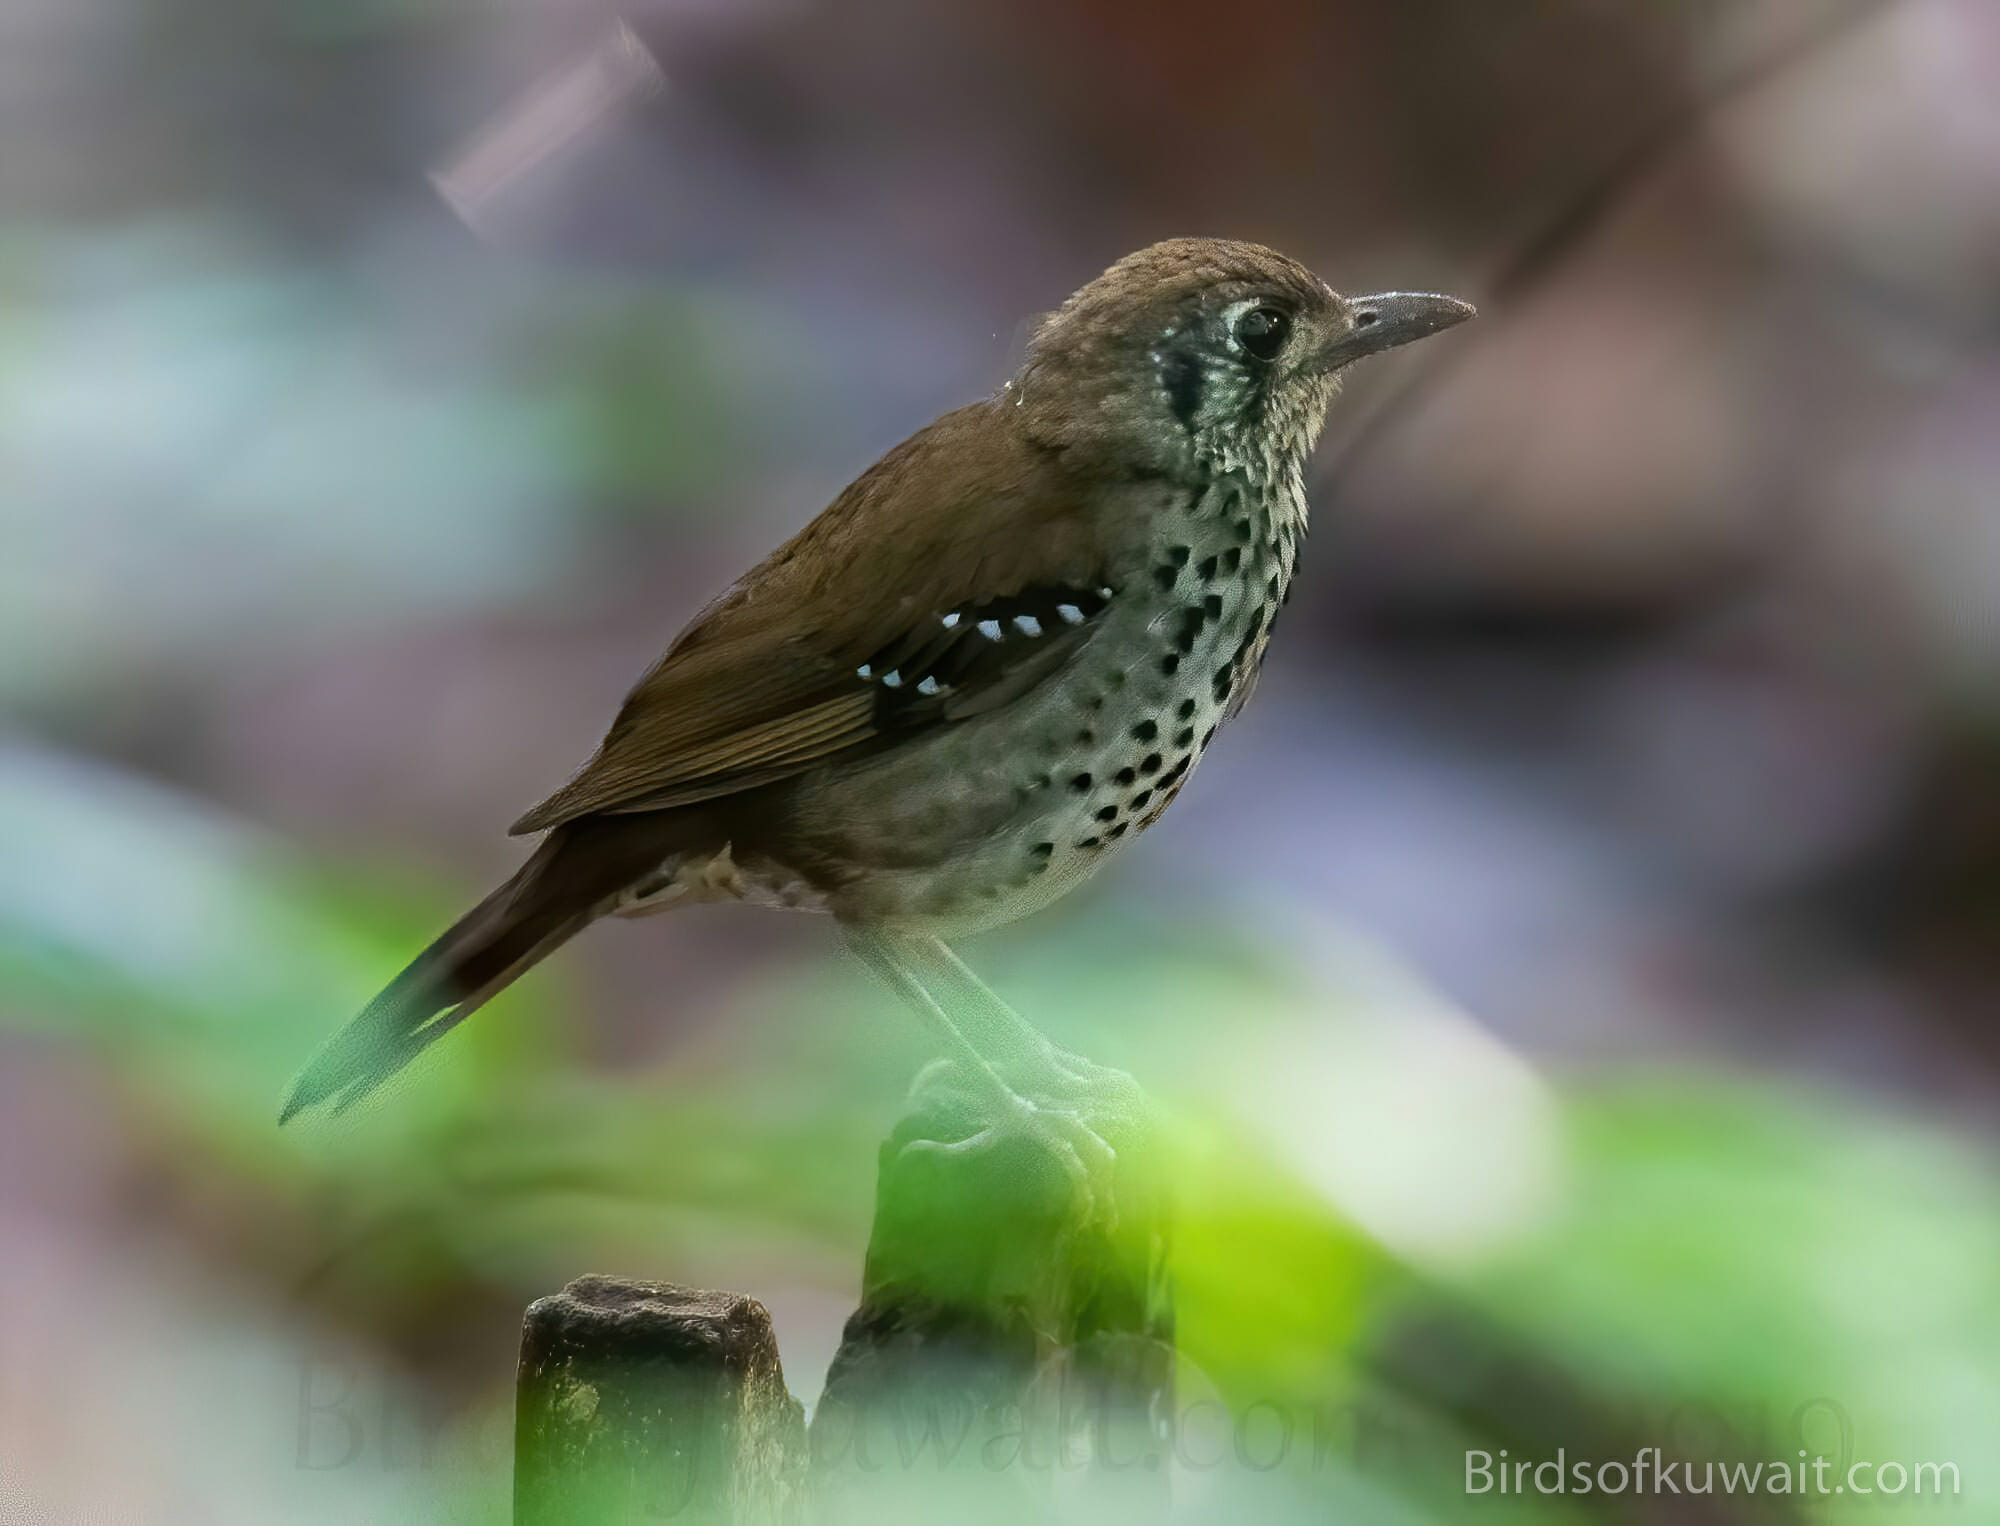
[
  {"x": 642, "y": 1401},
  {"x": 1013, "y": 1349},
  {"x": 1014, "y": 1342}
]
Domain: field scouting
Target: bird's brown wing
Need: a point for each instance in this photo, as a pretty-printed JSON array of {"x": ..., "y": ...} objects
[{"x": 948, "y": 580}]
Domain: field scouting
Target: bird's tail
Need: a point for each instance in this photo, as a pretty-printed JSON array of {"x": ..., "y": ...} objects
[{"x": 575, "y": 877}]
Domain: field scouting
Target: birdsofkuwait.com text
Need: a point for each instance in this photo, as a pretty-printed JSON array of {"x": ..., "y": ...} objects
[{"x": 1652, "y": 1473}]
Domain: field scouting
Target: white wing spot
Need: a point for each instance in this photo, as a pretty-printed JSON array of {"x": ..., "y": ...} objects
[
  {"x": 1027, "y": 625},
  {"x": 864, "y": 671},
  {"x": 893, "y": 679},
  {"x": 927, "y": 686},
  {"x": 990, "y": 629},
  {"x": 1105, "y": 593},
  {"x": 950, "y": 620},
  {"x": 1070, "y": 613}
]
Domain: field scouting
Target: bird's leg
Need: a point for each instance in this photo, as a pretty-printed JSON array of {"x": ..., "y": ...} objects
[
  {"x": 880, "y": 952},
  {"x": 1053, "y": 1076},
  {"x": 1019, "y": 1047},
  {"x": 1004, "y": 1044},
  {"x": 1010, "y": 1041}
]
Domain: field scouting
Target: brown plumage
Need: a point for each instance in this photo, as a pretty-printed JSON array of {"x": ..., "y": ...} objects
[
  {"x": 958, "y": 689},
  {"x": 762, "y": 684}
]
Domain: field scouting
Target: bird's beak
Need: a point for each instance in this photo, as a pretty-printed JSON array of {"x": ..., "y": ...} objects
[{"x": 1390, "y": 318}]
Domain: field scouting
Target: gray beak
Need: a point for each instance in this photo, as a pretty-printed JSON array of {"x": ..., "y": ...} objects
[{"x": 1390, "y": 318}]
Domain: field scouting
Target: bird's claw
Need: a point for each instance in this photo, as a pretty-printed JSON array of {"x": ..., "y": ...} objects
[
  {"x": 1086, "y": 1158},
  {"x": 1088, "y": 1162}
]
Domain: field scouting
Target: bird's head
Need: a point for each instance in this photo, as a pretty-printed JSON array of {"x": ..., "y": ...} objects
[{"x": 1201, "y": 353}]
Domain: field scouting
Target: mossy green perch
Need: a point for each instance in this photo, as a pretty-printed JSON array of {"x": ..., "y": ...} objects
[{"x": 1014, "y": 1343}]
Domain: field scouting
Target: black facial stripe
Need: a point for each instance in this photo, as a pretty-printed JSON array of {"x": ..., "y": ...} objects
[{"x": 1182, "y": 374}]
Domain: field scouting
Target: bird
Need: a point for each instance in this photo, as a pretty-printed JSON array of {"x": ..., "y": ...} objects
[{"x": 986, "y": 668}]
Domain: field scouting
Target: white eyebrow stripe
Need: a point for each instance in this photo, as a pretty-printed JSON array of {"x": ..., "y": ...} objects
[
  {"x": 1027, "y": 625},
  {"x": 950, "y": 620},
  {"x": 1070, "y": 613},
  {"x": 990, "y": 629}
]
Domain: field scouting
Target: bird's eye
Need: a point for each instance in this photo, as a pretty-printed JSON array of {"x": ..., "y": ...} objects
[{"x": 1262, "y": 332}]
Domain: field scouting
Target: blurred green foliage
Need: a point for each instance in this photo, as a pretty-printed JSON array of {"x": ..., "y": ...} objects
[{"x": 1730, "y": 1267}]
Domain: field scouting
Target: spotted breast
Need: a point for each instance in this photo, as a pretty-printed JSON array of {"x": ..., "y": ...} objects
[{"x": 993, "y": 818}]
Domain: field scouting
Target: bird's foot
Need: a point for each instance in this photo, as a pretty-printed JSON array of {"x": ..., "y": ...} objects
[
  {"x": 1064, "y": 1079},
  {"x": 1055, "y": 1124},
  {"x": 1058, "y": 1104}
]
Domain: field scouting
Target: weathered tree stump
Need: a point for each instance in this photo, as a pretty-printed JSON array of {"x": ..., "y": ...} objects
[{"x": 642, "y": 1401}]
